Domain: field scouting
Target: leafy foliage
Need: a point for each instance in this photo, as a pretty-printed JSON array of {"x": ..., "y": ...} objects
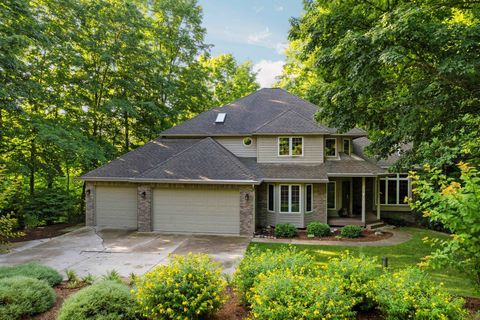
[
  {"x": 189, "y": 287},
  {"x": 32, "y": 270},
  {"x": 408, "y": 294},
  {"x": 351, "y": 231},
  {"x": 318, "y": 229},
  {"x": 256, "y": 263},
  {"x": 285, "y": 230},
  {"x": 102, "y": 300},
  {"x": 282, "y": 294},
  {"x": 402, "y": 70},
  {"x": 8, "y": 225},
  {"x": 456, "y": 204},
  {"x": 24, "y": 296}
]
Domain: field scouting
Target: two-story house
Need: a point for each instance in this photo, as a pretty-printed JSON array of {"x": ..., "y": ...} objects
[{"x": 259, "y": 161}]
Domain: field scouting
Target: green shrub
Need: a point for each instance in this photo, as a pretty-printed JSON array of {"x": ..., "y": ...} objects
[
  {"x": 285, "y": 295},
  {"x": 113, "y": 275},
  {"x": 409, "y": 294},
  {"x": 190, "y": 287},
  {"x": 21, "y": 296},
  {"x": 351, "y": 231},
  {"x": 357, "y": 274},
  {"x": 256, "y": 262},
  {"x": 32, "y": 270},
  {"x": 8, "y": 226},
  {"x": 318, "y": 229},
  {"x": 105, "y": 300},
  {"x": 285, "y": 230}
]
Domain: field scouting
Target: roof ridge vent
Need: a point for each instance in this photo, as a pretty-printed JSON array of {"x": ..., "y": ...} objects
[{"x": 220, "y": 117}]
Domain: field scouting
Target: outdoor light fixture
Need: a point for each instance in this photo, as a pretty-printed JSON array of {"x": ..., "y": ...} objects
[
  {"x": 88, "y": 192},
  {"x": 247, "y": 196},
  {"x": 144, "y": 194}
]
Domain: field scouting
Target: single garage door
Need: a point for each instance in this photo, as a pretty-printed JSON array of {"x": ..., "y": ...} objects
[
  {"x": 116, "y": 207},
  {"x": 196, "y": 211}
]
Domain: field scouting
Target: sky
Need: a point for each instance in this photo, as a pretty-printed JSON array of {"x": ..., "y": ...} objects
[{"x": 253, "y": 30}]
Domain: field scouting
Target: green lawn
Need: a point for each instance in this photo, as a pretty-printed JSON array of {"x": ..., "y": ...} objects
[{"x": 399, "y": 256}]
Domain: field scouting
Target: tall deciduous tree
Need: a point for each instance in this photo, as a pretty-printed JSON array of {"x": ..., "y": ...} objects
[
  {"x": 228, "y": 80},
  {"x": 407, "y": 71}
]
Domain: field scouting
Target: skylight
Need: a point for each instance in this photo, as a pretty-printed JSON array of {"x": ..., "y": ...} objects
[{"x": 220, "y": 118}]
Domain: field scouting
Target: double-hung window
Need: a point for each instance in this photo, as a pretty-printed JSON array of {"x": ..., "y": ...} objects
[
  {"x": 290, "y": 146},
  {"x": 346, "y": 146},
  {"x": 330, "y": 147},
  {"x": 394, "y": 189},
  {"x": 290, "y": 198}
]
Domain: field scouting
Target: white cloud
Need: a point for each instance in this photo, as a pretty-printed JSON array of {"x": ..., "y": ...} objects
[
  {"x": 267, "y": 71},
  {"x": 279, "y": 8},
  {"x": 281, "y": 47},
  {"x": 259, "y": 37}
]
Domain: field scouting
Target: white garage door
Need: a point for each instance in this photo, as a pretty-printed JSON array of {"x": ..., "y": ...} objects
[
  {"x": 116, "y": 207},
  {"x": 196, "y": 211}
]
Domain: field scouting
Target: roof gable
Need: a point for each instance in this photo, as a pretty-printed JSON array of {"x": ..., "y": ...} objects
[{"x": 292, "y": 122}]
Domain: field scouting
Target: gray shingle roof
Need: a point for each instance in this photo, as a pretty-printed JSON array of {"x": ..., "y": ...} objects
[
  {"x": 206, "y": 160},
  {"x": 290, "y": 172},
  {"x": 256, "y": 112},
  {"x": 141, "y": 159},
  {"x": 351, "y": 167},
  {"x": 361, "y": 143}
]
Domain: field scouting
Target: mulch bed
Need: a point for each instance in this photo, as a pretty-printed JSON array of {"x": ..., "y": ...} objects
[
  {"x": 232, "y": 309},
  {"x": 44, "y": 232},
  {"x": 62, "y": 292},
  {"x": 367, "y": 236}
]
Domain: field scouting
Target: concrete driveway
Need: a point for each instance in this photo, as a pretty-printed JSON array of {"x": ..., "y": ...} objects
[{"x": 88, "y": 250}]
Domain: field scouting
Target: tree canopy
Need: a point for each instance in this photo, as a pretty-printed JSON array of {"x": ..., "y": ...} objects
[
  {"x": 406, "y": 71},
  {"x": 82, "y": 81}
]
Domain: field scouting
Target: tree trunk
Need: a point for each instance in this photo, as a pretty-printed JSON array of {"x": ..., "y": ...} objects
[
  {"x": 127, "y": 129},
  {"x": 33, "y": 155}
]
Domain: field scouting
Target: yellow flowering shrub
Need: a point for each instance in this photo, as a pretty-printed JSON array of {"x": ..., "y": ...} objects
[
  {"x": 409, "y": 294},
  {"x": 190, "y": 287},
  {"x": 256, "y": 262},
  {"x": 358, "y": 273},
  {"x": 283, "y": 294}
]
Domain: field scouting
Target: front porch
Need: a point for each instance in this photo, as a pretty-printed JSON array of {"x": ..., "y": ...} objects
[{"x": 370, "y": 218}]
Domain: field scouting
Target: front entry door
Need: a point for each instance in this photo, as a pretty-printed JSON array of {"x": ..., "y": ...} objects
[{"x": 346, "y": 197}]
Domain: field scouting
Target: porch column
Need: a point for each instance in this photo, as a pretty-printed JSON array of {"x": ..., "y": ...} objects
[
  {"x": 363, "y": 200},
  {"x": 377, "y": 182}
]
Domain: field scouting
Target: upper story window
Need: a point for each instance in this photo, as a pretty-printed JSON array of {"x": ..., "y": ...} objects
[
  {"x": 330, "y": 147},
  {"x": 347, "y": 146},
  {"x": 290, "y": 146},
  {"x": 394, "y": 189}
]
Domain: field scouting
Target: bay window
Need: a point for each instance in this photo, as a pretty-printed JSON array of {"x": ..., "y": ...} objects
[
  {"x": 394, "y": 189},
  {"x": 271, "y": 197},
  {"x": 309, "y": 198},
  {"x": 290, "y": 198}
]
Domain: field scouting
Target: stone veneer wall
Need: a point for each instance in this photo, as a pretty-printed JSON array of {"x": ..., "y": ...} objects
[
  {"x": 89, "y": 204},
  {"x": 144, "y": 208},
  {"x": 319, "y": 204},
  {"x": 261, "y": 218},
  {"x": 247, "y": 210}
]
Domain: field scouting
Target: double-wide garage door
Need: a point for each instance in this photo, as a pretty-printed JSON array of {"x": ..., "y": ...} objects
[{"x": 196, "y": 210}]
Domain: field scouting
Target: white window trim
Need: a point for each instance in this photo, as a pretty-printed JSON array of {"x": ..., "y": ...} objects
[
  {"x": 289, "y": 199},
  {"x": 247, "y": 145},
  {"x": 268, "y": 197},
  {"x": 290, "y": 146},
  {"x": 336, "y": 148},
  {"x": 311, "y": 198},
  {"x": 349, "y": 145},
  {"x": 399, "y": 202},
  {"x": 334, "y": 195}
]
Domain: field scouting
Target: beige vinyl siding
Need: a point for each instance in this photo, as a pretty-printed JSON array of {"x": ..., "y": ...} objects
[
  {"x": 116, "y": 207},
  {"x": 235, "y": 146},
  {"x": 196, "y": 210},
  {"x": 294, "y": 218},
  {"x": 267, "y": 150}
]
